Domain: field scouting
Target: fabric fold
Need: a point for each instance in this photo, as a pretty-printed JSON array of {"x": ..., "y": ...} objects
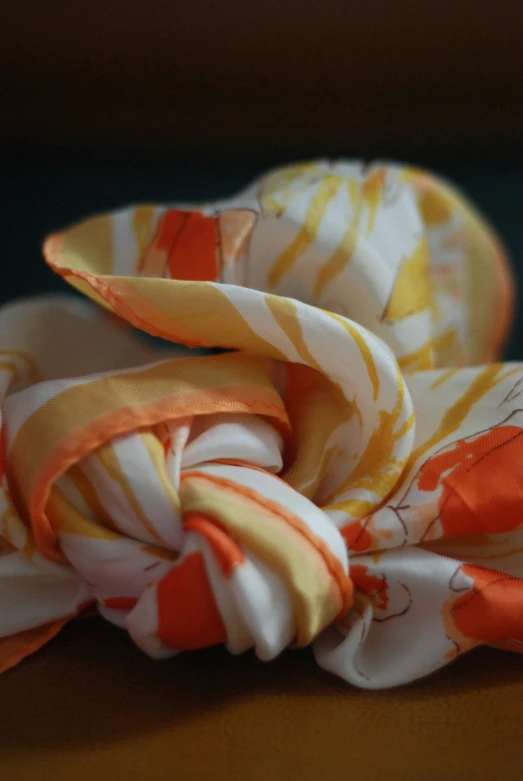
[{"x": 345, "y": 473}]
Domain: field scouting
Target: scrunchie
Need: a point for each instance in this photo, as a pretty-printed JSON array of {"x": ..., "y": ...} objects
[{"x": 346, "y": 470}]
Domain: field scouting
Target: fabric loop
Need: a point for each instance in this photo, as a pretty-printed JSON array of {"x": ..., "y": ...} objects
[{"x": 347, "y": 474}]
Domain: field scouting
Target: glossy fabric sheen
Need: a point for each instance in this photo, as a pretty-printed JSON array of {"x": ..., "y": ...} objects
[{"x": 346, "y": 474}]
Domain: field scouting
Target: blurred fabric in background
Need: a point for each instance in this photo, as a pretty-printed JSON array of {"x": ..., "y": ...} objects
[{"x": 108, "y": 103}]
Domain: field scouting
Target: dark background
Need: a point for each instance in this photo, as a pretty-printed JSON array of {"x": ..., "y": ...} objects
[{"x": 109, "y": 103}]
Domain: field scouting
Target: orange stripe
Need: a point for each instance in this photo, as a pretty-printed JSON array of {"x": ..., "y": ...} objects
[
  {"x": 235, "y": 228},
  {"x": 40, "y": 452},
  {"x": 16, "y": 647},
  {"x": 130, "y": 304},
  {"x": 247, "y": 465},
  {"x": 208, "y": 383},
  {"x": 188, "y": 617},
  {"x": 193, "y": 250},
  {"x": 150, "y": 304},
  {"x": 331, "y": 561},
  {"x": 94, "y": 433},
  {"x": 169, "y": 228},
  {"x": 493, "y": 609},
  {"x": 228, "y": 554}
]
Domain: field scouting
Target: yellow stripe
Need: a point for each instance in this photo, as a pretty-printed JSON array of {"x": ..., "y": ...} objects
[
  {"x": 285, "y": 312},
  {"x": 435, "y": 207},
  {"x": 90, "y": 496},
  {"x": 444, "y": 376},
  {"x": 355, "y": 508},
  {"x": 161, "y": 553},
  {"x": 195, "y": 313},
  {"x": 344, "y": 252},
  {"x": 326, "y": 191},
  {"x": 279, "y": 188},
  {"x": 316, "y": 409},
  {"x": 157, "y": 456},
  {"x": 456, "y": 414},
  {"x": 85, "y": 288},
  {"x": 411, "y": 292},
  {"x": 65, "y": 517},
  {"x": 372, "y": 193},
  {"x": 378, "y": 469},
  {"x": 365, "y": 352},
  {"x": 143, "y": 224},
  {"x": 222, "y": 382},
  {"x": 264, "y": 532},
  {"x": 419, "y": 359},
  {"x": 110, "y": 462},
  {"x": 445, "y": 341},
  {"x": 88, "y": 246},
  {"x": 14, "y": 530}
]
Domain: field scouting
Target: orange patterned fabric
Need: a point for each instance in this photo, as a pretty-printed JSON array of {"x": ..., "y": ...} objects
[{"x": 346, "y": 472}]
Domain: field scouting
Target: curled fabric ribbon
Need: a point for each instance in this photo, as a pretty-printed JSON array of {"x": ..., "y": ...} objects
[{"x": 347, "y": 472}]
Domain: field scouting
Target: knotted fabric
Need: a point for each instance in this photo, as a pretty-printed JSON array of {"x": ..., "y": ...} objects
[{"x": 346, "y": 469}]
